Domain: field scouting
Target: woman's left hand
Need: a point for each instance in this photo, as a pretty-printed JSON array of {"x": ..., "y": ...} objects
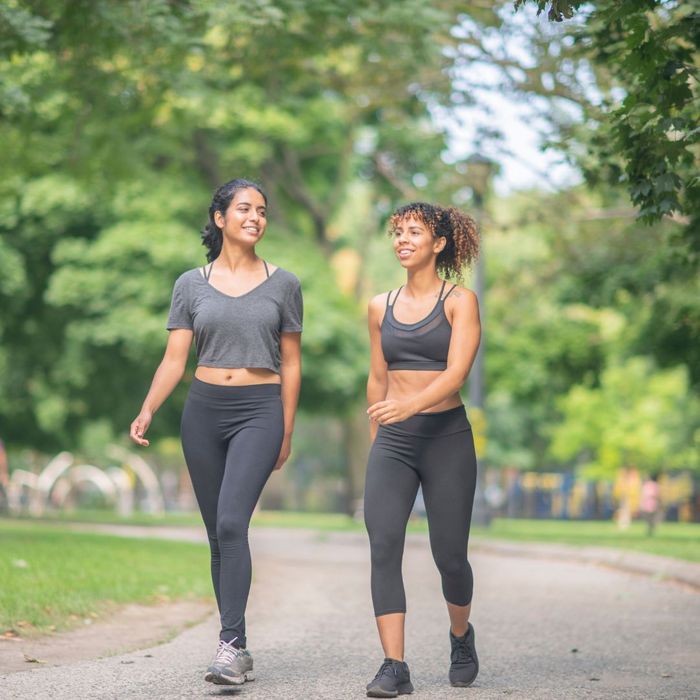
[
  {"x": 285, "y": 451},
  {"x": 390, "y": 411}
]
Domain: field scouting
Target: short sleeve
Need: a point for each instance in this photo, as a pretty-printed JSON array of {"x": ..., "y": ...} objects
[
  {"x": 293, "y": 310},
  {"x": 180, "y": 315}
]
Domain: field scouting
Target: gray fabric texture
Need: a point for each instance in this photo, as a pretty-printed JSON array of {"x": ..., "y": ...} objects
[{"x": 241, "y": 331}]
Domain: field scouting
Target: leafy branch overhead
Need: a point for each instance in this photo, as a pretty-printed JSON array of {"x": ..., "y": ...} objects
[
  {"x": 645, "y": 131},
  {"x": 558, "y": 11}
]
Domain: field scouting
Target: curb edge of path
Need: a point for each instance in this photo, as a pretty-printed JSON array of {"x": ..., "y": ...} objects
[{"x": 656, "y": 566}]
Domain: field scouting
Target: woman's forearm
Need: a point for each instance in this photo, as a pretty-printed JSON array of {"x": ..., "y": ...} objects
[
  {"x": 441, "y": 388},
  {"x": 166, "y": 378},
  {"x": 376, "y": 391},
  {"x": 290, "y": 374}
]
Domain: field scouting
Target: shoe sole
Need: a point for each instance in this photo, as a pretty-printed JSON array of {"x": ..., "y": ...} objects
[
  {"x": 220, "y": 679},
  {"x": 465, "y": 684},
  {"x": 404, "y": 689}
]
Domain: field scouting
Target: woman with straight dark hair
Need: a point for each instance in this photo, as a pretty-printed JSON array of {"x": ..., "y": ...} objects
[
  {"x": 424, "y": 337},
  {"x": 245, "y": 316}
]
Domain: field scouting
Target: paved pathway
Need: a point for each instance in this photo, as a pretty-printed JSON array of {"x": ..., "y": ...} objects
[{"x": 546, "y": 628}]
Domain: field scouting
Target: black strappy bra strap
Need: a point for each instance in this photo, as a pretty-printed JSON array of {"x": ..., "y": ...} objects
[
  {"x": 452, "y": 288},
  {"x": 388, "y": 297},
  {"x": 267, "y": 272},
  {"x": 207, "y": 275}
]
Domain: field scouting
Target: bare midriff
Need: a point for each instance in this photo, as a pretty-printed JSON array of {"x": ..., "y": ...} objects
[
  {"x": 404, "y": 384},
  {"x": 236, "y": 377}
]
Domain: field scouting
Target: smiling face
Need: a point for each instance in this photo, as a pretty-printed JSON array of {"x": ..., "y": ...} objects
[
  {"x": 414, "y": 244},
  {"x": 245, "y": 219}
]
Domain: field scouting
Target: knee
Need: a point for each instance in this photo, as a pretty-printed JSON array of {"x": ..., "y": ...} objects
[
  {"x": 231, "y": 528},
  {"x": 451, "y": 564},
  {"x": 386, "y": 546},
  {"x": 457, "y": 581}
]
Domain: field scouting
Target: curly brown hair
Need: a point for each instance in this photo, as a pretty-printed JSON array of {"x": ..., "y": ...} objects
[{"x": 458, "y": 229}]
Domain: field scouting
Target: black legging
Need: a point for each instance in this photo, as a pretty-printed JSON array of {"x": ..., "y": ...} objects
[
  {"x": 231, "y": 437},
  {"x": 435, "y": 450}
]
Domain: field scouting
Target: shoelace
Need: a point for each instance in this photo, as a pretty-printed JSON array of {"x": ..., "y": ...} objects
[
  {"x": 386, "y": 666},
  {"x": 462, "y": 654},
  {"x": 227, "y": 652}
]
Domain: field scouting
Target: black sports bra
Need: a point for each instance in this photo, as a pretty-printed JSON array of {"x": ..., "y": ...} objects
[{"x": 419, "y": 346}]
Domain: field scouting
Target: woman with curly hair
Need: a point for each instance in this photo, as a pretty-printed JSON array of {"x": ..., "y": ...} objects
[
  {"x": 245, "y": 317},
  {"x": 424, "y": 337}
]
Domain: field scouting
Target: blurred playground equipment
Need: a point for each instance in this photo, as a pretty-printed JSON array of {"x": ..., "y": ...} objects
[{"x": 65, "y": 483}]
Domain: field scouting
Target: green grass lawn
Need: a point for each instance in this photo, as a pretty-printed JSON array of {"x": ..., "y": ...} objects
[
  {"x": 51, "y": 577},
  {"x": 679, "y": 540}
]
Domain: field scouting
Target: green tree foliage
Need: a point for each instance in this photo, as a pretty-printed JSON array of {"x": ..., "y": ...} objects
[
  {"x": 119, "y": 119},
  {"x": 638, "y": 417},
  {"x": 605, "y": 259},
  {"x": 646, "y": 133},
  {"x": 572, "y": 289},
  {"x": 557, "y": 10}
]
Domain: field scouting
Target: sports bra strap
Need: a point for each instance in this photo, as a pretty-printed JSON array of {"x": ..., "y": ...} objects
[
  {"x": 267, "y": 272},
  {"x": 388, "y": 297},
  {"x": 440, "y": 297},
  {"x": 452, "y": 288}
]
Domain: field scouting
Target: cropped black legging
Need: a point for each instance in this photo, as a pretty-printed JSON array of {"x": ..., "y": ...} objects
[
  {"x": 435, "y": 450},
  {"x": 231, "y": 437}
]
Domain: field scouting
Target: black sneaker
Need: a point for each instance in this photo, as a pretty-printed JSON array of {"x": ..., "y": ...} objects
[
  {"x": 465, "y": 663},
  {"x": 393, "y": 678}
]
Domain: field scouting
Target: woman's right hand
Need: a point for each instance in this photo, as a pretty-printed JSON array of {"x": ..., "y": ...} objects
[{"x": 139, "y": 428}]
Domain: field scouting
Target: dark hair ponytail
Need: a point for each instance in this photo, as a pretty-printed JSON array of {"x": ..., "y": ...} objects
[
  {"x": 212, "y": 237},
  {"x": 459, "y": 230},
  {"x": 462, "y": 247}
]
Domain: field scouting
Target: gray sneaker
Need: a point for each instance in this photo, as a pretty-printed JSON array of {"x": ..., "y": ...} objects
[{"x": 231, "y": 665}]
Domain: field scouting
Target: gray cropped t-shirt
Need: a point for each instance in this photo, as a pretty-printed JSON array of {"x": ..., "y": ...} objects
[{"x": 242, "y": 331}]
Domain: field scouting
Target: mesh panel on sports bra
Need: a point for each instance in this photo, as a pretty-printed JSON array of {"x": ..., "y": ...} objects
[{"x": 436, "y": 321}]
